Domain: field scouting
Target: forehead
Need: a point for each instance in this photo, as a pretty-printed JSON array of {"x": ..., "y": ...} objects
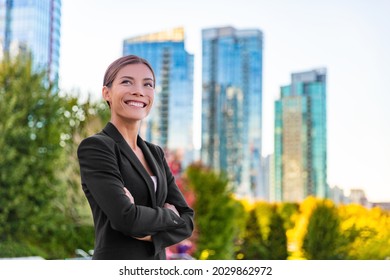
[{"x": 136, "y": 71}]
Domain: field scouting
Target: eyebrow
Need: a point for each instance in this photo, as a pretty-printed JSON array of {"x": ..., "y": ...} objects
[{"x": 131, "y": 78}]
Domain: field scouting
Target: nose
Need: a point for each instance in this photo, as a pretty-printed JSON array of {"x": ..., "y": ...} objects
[{"x": 137, "y": 90}]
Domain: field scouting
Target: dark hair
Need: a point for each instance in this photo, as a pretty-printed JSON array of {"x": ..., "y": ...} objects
[{"x": 121, "y": 62}]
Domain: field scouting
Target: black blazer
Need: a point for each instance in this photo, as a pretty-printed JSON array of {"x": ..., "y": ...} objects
[{"x": 107, "y": 164}]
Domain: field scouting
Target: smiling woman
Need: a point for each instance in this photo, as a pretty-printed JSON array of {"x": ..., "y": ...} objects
[
  {"x": 132, "y": 89},
  {"x": 138, "y": 209}
]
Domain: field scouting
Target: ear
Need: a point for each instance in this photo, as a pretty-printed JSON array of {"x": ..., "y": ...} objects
[{"x": 106, "y": 93}]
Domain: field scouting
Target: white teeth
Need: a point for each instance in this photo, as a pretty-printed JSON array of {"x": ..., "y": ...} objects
[{"x": 135, "y": 103}]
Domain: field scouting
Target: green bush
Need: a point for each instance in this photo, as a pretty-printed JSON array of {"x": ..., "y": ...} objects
[
  {"x": 10, "y": 249},
  {"x": 41, "y": 202},
  {"x": 253, "y": 245},
  {"x": 218, "y": 214},
  {"x": 64, "y": 241},
  {"x": 323, "y": 237},
  {"x": 277, "y": 239}
]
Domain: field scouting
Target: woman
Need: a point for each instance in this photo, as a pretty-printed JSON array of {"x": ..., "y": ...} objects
[{"x": 137, "y": 207}]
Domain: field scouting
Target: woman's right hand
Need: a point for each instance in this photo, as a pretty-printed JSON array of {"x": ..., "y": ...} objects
[
  {"x": 128, "y": 194},
  {"x": 147, "y": 238},
  {"x": 131, "y": 198}
]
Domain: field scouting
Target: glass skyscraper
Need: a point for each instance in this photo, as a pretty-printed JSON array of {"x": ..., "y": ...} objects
[
  {"x": 300, "y": 156},
  {"x": 232, "y": 105},
  {"x": 170, "y": 123},
  {"x": 34, "y": 26}
]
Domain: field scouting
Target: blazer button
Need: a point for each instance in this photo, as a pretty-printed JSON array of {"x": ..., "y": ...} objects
[{"x": 175, "y": 222}]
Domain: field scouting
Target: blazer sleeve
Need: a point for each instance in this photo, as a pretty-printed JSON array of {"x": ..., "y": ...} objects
[
  {"x": 101, "y": 176},
  {"x": 170, "y": 237}
]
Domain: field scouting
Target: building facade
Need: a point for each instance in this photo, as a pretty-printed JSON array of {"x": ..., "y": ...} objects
[
  {"x": 337, "y": 195},
  {"x": 232, "y": 105},
  {"x": 358, "y": 196},
  {"x": 32, "y": 26},
  {"x": 263, "y": 191},
  {"x": 300, "y": 138},
  {"x": 170, "y": 123}
]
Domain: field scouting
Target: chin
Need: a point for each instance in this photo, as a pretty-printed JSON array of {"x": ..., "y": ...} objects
[{"x": 135, "y": 117}]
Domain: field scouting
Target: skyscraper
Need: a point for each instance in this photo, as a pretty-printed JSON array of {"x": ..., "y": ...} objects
[
  {"x": 232, "y": 104},
  {"x": 34, "y": 26},
  {"x": 300, "y": 138},
  {"x": 170, "y": 123},
  {"x": 263, "y": 191}
]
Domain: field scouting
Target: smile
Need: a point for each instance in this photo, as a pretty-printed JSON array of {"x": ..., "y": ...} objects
[{"x": 137, "y": 104}]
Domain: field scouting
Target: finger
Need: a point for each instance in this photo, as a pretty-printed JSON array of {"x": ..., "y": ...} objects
[
  {"x": 172, "y": 207},
  {"x": 128, "y": 194}
]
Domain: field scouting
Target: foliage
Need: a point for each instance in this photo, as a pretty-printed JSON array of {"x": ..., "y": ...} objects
[
  {"x": 277, "y": 239},
  {"x": 366, "y": 231},
  {"x": 30, "y": 148},
  {"x": 217, "y": 213},
  {"x": 296, "y": 233},
  {"x": 264, "y": 236},
  {"x": 253, "y": 246},
  {"x": 288, "y": 212},
  {"x": 323, "y": 236},
  {"x": 363, "y": 233},
  {"x": 37, "y": 128},
  {"x": 264, "y": 212},
  {"x": 14, "y": 250}
]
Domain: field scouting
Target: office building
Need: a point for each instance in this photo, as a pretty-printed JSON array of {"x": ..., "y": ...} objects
[
  {"x": 232, "y": 105},
  {"x": 358, "y": 196},
  {"x": 336, "y": 194},
  {"x": 170, "y": 123},
  {"x": 300, "y": 138},
  {"x": 264, "y": 190},
  {"x": 32, "y": 26}
]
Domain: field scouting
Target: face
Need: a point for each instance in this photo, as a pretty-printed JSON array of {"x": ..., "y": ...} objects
[{"x": 131, "y": 94}]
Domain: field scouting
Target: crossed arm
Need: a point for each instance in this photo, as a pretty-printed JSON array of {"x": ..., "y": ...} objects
[
  {"x": 166, "y": 205},
  {"x": 101, "y": 177}
]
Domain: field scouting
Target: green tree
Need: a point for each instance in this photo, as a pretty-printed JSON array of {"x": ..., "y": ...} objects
[
  {"x": 288, "y": 211},
  {"x": 323, "y": 236},
  {"x": 216, "y": 213},
  {"x": 253, "y": 246},
  {"x": 85, "y": 119},
  {"x": 277, "y": 239},
  {"x": 37, "y": 127},
  {"x": 366, "y": 232}
]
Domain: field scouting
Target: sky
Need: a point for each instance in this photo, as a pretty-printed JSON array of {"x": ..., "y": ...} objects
[{"x": 350, "y": 38}]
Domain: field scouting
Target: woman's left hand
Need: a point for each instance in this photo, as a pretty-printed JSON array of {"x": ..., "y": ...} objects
[{"x": 172, "y": 207}]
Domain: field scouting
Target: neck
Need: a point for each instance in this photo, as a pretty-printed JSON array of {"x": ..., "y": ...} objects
[{"x": 129, "y": 131}]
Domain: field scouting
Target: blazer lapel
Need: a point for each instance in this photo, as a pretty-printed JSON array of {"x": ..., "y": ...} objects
[
  {"x": 150, "y": 158},
  {"x": 113, "y": 132}
]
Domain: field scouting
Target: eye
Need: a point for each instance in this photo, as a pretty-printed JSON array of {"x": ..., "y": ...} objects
[
  {"x": 148, "y": 84},
  {"x": 126, "y": 82}
]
